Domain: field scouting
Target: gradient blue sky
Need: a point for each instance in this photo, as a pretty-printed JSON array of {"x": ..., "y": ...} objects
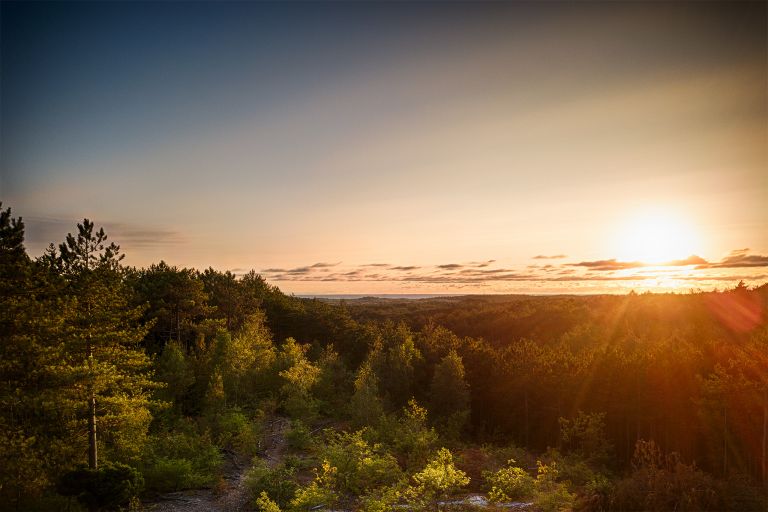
[{"x": 310, "y": 141}]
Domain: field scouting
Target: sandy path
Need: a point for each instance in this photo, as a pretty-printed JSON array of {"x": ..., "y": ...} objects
[{"x": 235, "y": 497}]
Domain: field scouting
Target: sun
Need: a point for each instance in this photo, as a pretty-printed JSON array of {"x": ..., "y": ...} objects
[{"x": 657, "y": 236}]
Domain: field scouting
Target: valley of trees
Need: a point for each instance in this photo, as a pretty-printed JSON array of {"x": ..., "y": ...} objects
[{"x": 120, "y": 384}]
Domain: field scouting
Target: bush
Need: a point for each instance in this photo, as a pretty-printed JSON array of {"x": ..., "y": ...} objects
[
  {"x": 173, "y": 475},
  {"x": 264, "y": 504},
  {"x": 319, "y": 492},
  {"x": 298, "y": 437},
  {"x": 278, "y": 483},
  {"x": 585, "y": 436},
  {"x": 181, "y": 459},
  {"x": 551, "y": 495},
  {"x": 360, "y": 466},
  {"x": 409, "y": 435},
  {"x": 110, "y": 487},
  {"x": 234, "y": 430},
  {"x": 381, "y": 500},
  {"x": 509, "y": 483},
  {"x": 439, "y": 479},
  {"x": 742, "y": 496},
  {"x": 664, "y": 482}
]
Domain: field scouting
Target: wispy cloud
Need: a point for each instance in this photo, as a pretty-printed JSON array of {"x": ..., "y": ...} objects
[
  {"x": 553, "y": 257},
  {"x": 481, "y": 274},
  {"x": 45, "y": 230},
  {"x": 325, "y": 265},
  {"x": 612, "y": 265},
  {"x": 609, "y": 265},
  {"x": 739, "y": 259}
]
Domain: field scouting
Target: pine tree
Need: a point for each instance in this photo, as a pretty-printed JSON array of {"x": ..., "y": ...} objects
[
  {"x": 30, "y": 322},
  {"x": 449, "y": 394},
  {"x": 105, "y": 368},
  {"x": 365, "y": 405}
]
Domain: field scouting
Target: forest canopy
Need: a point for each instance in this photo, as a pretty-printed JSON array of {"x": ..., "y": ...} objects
[{"x": 119, "y": 384}]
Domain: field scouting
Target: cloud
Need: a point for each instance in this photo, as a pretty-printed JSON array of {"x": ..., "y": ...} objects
[
  {"x": 553, "y": 257},
  {"x": 481, "y": 274},
  {"x": 324, "y": 265},
  {"x": 480, "y": 264},
  {"x": 739, "y": 259},
  {"x": 44, "y": 230},
  {"x": 690, "y": 260},
  {"x": 608, "y": 265},
  {"x": 613, "y": 265}
]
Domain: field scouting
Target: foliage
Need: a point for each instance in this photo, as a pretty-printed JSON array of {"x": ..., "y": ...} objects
[
  {"x": 162, "y": 367},
  {"x": 299, "y": 377},
  {"x": 180, "y": 458},
  {"x": 264, "y": 504},
  {"x": 409, "y": 436},
  {"x": 234, "y": 430},
  {"x": 449, "y": 395},
  {"x": 437, "y": 480},
  {"x": 319, "y": 492},
  {"x": 278, "y": 482},
  {"x": 551, "y": 495},
  {"x": 334, "y": 385},
  {"x": 359, "y": 466},
  {"x": 109, "y": 487},
  {"x": 365, "y": 406},
  {"x": 381, "y": 499},
  {"x": 509, "y": 483},
  {"x": 298, "y": 436},
  {"x": 586, "y": 437},
  {"x": 663, "y": 482}
]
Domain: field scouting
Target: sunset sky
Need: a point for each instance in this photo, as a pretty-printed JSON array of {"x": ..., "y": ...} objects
[{"x": 398, "y": 147}]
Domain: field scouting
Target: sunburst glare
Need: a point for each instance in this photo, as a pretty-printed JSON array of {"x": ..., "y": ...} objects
[{"x": 657, "y": 235}]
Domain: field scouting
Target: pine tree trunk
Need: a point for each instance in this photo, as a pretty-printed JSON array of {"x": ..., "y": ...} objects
[
  {"x": 725, "y": 441},
  {"x": 526, "y": 417},
  {"x": 765, "y": 433},
  {"x": 93, "y": 459}
]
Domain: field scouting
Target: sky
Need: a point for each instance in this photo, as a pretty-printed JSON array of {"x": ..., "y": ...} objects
[{"x": 345, "y": 147}]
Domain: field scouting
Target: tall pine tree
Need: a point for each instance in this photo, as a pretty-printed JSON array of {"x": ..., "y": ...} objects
[{"x": 107, "y": 370}]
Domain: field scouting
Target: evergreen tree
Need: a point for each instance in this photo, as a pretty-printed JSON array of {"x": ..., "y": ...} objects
[
  {"x": 449, "y": 394},
  {"x": 104, "y": 367},
  {"x": 365, "y": 405}
]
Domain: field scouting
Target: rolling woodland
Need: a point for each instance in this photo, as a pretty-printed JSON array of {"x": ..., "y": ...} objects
[{"x": 120, "y": 385}]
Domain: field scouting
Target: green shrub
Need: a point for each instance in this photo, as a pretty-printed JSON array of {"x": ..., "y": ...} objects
[
  {"x": 265, "y": 504},
  {"x": 598, "y": 492},
  {"x": 234, "y": 430},
  {"x": 439, "y": 479},
  {"x": 360, "y": 466},
  {"x": 173, "y": 475},
  {"x": 549, "y": 494},
  {"x": 319, "y": 492},
  {"x": 664, "y": 482},
  {"x": 509, "y": 483},
  {"x": 110, "y": 487},
  {"x": 298, "y": 437},
  {"x": 585, "y": 436},
  {"x": 410, "y": 437},
  {"x": 277, "y": 482},
  {"x": 382, "y": 499},
  {"x": 181, "y": 459},
  {"x": 742, "y": 495}
]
